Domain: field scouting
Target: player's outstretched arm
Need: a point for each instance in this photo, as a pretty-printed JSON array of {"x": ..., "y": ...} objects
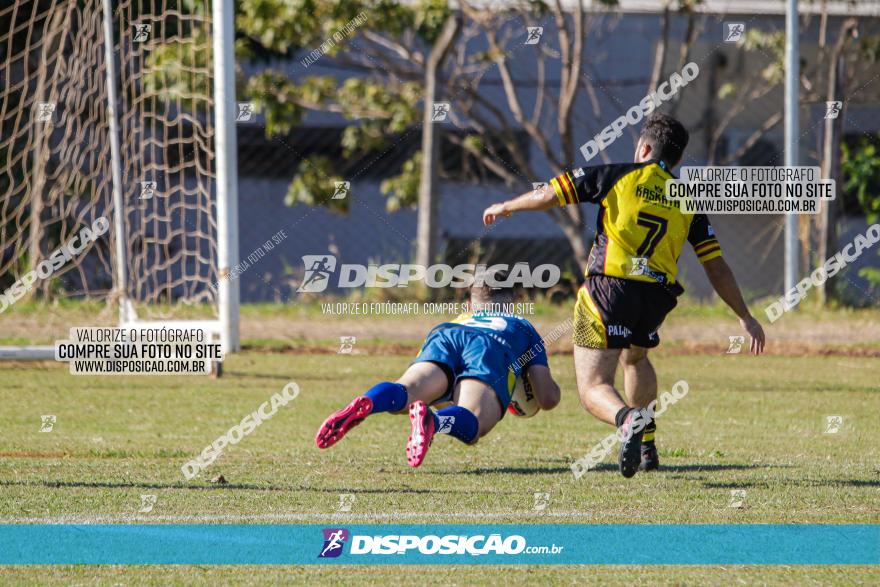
[
  {"x": 546, "y": 390},
  {"x": 540, "y": 199},
  {"x": 724, "y": 283}
]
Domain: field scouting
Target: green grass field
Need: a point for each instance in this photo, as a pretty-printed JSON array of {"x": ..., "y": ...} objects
[{"x": 752, "y": 424}]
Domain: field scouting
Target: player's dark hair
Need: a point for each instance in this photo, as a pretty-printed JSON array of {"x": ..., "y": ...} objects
[
  {"x": 491, "y": 293},
  {"x": 667, "y": 137}
]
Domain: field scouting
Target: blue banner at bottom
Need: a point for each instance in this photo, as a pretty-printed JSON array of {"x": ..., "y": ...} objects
[{"x": 441, "y": 544}]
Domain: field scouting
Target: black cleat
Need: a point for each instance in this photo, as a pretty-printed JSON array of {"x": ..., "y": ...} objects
[
  {"x": 630, "y": 432},
  {"x": 650, "y": 458}
]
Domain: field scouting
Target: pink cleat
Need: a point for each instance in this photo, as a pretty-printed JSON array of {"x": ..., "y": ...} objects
[
  {"x": 423, "y": 428},
  {"x": 339, "y": 423}
]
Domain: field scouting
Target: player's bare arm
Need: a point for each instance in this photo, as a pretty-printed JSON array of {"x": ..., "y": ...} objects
[
  {"x": 724, "y": 283},
  {"x": 545, "y": 387},
  {"x": 542, "y": 198}
]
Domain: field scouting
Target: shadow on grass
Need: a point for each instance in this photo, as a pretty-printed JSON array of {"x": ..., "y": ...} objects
[
  {"x": 142, "y": 485},
  {"x": 217, "y": 486},
  {"x": 515, "y": 471},
  {"x": 255, "y": 375},
  {"x": 380, "y": 490},
  {"x": 796, "y": 483},
  {"x": 602, "y": 467},
  {"x": 715, "y": 467}
]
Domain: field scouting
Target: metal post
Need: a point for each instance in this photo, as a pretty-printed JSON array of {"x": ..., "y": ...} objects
[
  {"x": 792, "y": 75},
  {"x": 120, "y": 278},
  {"x": 227, "y": 171}
]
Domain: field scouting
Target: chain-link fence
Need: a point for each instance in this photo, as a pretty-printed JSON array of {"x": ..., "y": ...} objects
[
  {"x": 733, "y": 111},
  {"x": 340, "y": 177}
]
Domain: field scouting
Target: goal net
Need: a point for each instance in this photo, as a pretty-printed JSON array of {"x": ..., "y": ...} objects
[{"x": 151, "y": 249}]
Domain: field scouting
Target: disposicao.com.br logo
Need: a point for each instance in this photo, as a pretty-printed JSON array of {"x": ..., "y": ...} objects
[
  {"x": 403, "y": 544},
  {"x": 320, "y": 268}
]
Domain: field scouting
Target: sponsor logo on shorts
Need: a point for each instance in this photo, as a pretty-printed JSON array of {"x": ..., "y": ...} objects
[{"x": 618, "y": 330}]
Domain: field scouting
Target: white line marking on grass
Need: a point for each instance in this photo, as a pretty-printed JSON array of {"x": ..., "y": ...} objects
[{"x": 292, "y": 517}]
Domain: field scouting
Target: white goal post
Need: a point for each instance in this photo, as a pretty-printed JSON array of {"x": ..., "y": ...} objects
[{"x": 120, "y": 111}]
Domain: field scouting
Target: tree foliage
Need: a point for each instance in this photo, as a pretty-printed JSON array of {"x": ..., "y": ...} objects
[
  {"x": 379, "y": 105},
  {"x": 860, "y": 167}
]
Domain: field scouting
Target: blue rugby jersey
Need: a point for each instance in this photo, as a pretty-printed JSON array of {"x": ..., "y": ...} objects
[{"x": 514, "y": 334}]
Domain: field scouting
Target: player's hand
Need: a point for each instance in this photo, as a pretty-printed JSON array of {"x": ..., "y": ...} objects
[
  {"x": 756, "y": 333},
  {"x": 491, "y": 213}
]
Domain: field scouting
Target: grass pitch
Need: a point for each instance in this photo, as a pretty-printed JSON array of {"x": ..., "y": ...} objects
[{"x": 752, "y": 424}]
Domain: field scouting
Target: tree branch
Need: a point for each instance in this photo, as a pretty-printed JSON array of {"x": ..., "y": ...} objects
[{"x": 772, "y": 121}]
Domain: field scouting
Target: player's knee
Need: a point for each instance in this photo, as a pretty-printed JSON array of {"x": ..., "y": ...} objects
[
  {"x": 585, "y": 395},
  {"x": 589, "y": 393},
  {"x": 595, "y": 378},
  {"x": 635, "y": 357},
  {"x": 484, "y": 428},
  {"x": 486, "y": 421}
]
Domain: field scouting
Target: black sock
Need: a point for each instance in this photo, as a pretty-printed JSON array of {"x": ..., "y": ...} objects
[{"x": 621, "y": 414}]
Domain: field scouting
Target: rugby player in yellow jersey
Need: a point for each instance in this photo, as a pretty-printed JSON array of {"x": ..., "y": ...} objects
[{"x": 630, "y": 283}]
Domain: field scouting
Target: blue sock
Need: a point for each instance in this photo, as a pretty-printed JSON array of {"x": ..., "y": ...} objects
[
  {"x": 387, "y": 397},
  {"x": 458, "y": 422}
]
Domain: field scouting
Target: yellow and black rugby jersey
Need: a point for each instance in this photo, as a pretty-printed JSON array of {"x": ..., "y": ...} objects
[{"x": 639, "y": 233}]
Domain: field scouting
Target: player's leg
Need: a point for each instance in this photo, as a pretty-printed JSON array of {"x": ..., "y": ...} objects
[
  {"x": 476, "y": 410},
  {"x": 640, "y": 383},
  {"x": 478, "y": 399},
  {"x": 426, "y": 387},
  {"x": 482, "y": 390},
  {"x": 604, "y": 317},
  {"x": 423, "y": 381},
  {"x": 426, "y": 381},
  {"x": 594, "y": 372},
  {"x": 484, "y": 380},
  {"x": 640, "y": 379},
  {"x": 597, "y": 347}
]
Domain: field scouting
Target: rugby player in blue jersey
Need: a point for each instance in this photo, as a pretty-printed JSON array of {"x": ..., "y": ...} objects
[{"x": 462, "y": 380}]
